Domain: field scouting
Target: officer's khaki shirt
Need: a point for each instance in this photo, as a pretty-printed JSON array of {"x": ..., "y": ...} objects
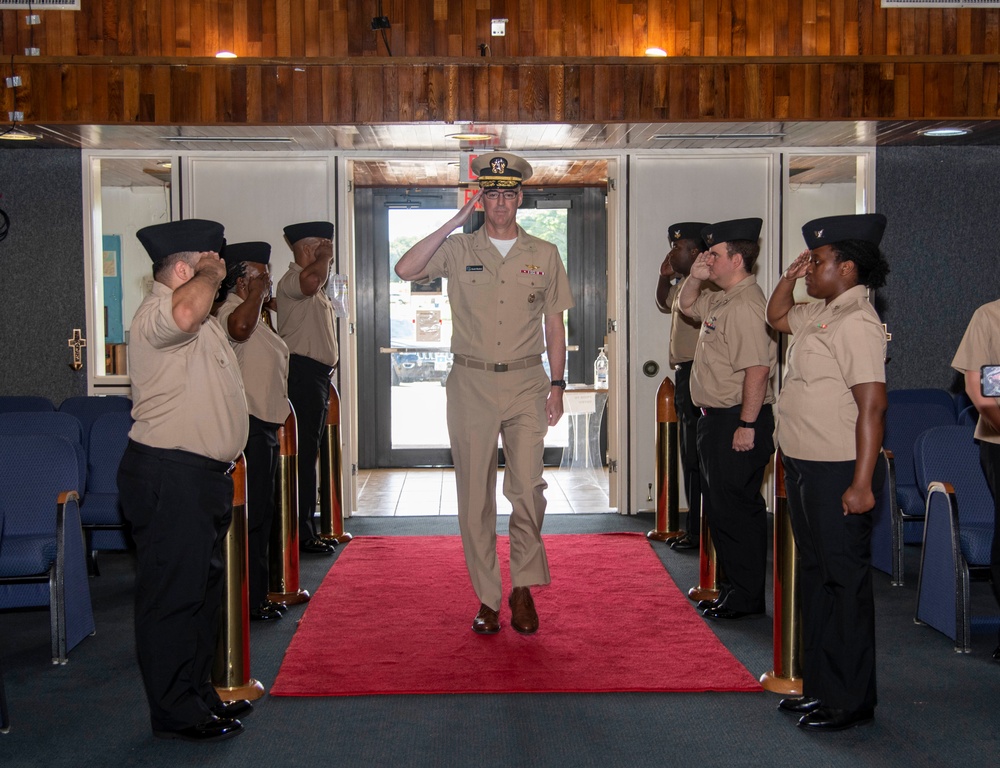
[
  {"x": 833, "y": 347},
  {"x": 498, "y": 304},
  {"x": 263, "y": 360},
  {"x": 733, "y": 337},
  {"x": 187, "y": 391},
  {"x": 981, "y": 346},
  {"x": 683, "y": 330},
  {"x": 306, "y": 322}
]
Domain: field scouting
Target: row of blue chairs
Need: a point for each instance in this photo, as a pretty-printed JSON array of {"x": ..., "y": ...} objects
[
  {"x": 933, "y": 463},
  {"x": 58, "y": 506}
]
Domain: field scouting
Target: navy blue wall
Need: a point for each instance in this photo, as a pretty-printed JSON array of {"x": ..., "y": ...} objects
[
  {"x": 41, "y": 272},
  {"x": 943, "y": 244}
]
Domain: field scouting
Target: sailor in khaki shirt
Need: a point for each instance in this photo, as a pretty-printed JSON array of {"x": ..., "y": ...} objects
[
  {"x": 685, "y": 245},
  {"x": 305, "y": 322},
  {"x": 263, "y": 359},
  {"x": 504, "y": 286},
  {"x": 731, "y": 382},
  {"x": 830, "y": 426},
  {"x": 174, "y": 478},
  {"x": 981, "y": 346}
]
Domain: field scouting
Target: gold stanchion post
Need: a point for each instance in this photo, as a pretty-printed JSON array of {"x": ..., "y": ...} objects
[
  {"x": 331, "y": 511},
  {"x": 708, "y": 565},
  {"x": 667, "y": 475},
  {"x": 283, "y": 549},
  {"x": 786, "y": 677},
  {"x": 231, "y": 665}
]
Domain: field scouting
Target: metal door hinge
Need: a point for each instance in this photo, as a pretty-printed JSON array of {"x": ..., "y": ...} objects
[
  {"x": 612, "y": 326},
  {"x": 613, "y": 465}
]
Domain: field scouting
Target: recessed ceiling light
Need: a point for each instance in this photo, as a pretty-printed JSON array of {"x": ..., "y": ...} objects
[
  {"x": 471, "y": 136},
  {"x": 225, "y": 55},
  {"x": 17, "y": 134},
  {"x": 655, "y": 52},
  {"x": 165, "y": 165},
  {"x": 944, "y": 132}
]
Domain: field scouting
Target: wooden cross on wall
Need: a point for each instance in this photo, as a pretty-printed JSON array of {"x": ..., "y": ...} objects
[{"x": 77, "y": 343}]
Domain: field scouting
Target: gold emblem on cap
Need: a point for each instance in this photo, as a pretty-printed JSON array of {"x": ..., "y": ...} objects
[
  {"x": 818, "y": 233},
  {"x": 677, "y": 234},
  {"x": 498, "y": 165},
  {"x": 709, "y": 238}
]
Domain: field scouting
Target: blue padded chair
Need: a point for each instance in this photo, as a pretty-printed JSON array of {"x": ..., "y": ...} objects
[
  {"x": 42, "y": 556},
  {"x": 928, "y": 396},
  {"x": 904, "y": 422},
  {"x": 968, "y": 415},
  {"x": 958, "y": 533},
  {"x": 50, "y": 423},
  {"x": 87, "y": 408},
  {"x": 101, "y": 512},
  {"x": 13, "y": 403},
  {"x": 885, "y": 557}
]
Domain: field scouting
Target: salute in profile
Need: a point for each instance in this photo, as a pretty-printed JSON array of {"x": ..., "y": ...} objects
[
  {"x": 174, "y": 480},
  {"x": 305, "y": 322},
  {"x": 831, "y": 416},
  {"x": 263, "y": 360},
  {"x": 685, "y": 245},
  {"x": 731, "y": 383}
]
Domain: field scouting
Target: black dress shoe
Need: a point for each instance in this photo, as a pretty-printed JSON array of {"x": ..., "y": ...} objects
[
  {"x": 315, "y": 547},
  {"x": 232, "y": 709},
  {"x": 215, "y": 729},
  {"x": 830, "y": 719},
  {"x": 703, "y": 605},
  {"x": 684, "y": 542},
  {"x": 263, "y": 613},
  {"x": 721, "y": 612},
  {"x": 278, "y": 607},
  {"x": 799, "y": 705}
]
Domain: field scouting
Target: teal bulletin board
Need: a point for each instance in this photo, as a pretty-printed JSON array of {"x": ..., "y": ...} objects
[{"x": 114, "y": 332}]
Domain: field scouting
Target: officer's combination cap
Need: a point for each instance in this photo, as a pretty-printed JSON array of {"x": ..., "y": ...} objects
[{"x": 500, "y": 170}]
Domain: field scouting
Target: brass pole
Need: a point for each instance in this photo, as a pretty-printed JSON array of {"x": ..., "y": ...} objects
[
  {"x": 786, "y": 677},
  {"x": 708, "y": 564},
  {"x": 231, "y": 665},
  {"x": 667, "y": 504},
  {"x": 283, "y": 549},
  {"x": 331, "y": 511}
]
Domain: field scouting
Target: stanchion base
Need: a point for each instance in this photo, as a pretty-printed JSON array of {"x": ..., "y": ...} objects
[
  {"x": 341, "y": 539},
  {"x": 787, "y": 686},
  {"x": 252, "y": 691},
  {"x": 701, "y": 593},
  {"x": 289, "y": 598},
  {"x": 663, "y": 535}
]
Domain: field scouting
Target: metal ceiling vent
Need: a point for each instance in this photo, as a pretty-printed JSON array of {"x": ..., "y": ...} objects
[
  {"x": 40, "y": 5},
  {"x": 940, "y": 3}
]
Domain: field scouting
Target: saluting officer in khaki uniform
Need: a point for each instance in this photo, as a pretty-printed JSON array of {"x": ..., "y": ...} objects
[
  {"x": 831, "y": 414},
  {"x": 263, "y": 359},
  {"x": 731, "y": 383},
  {"x": 685, "y": 245},
  {"x": 981, "y": 346},
  {"x": 305, "y": 322},
  {"x": 174, "y": 480},
  {"x": 504, "y": 286}
]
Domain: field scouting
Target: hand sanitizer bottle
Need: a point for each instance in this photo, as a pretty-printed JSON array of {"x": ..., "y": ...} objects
[{"x": 601, "y": 370}]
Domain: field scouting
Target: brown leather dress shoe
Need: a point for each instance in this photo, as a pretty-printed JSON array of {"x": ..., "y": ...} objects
[
  {"x": 523, "y": 616},
  {"x": 487, "y": 621}
]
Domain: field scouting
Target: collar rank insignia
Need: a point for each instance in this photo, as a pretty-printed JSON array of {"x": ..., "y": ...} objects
[{"x": 498, "y": 165}]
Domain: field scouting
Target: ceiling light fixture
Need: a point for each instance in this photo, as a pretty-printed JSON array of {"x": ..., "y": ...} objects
[
  {"x": 945, "y": 132},
  {"x": 165, "y": 165},
  {"x": 471, "y": 136},
  {"x": 655, "y": 52},
  {"x": 17, "y": 134},
  {"x": 225, "y": 55}
]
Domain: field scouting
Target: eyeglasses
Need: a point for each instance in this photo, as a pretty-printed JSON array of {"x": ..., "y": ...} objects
[{"x": 495, "y": 195}]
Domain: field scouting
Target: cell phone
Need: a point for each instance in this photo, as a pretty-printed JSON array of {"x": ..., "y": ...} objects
[{"x": 989, "y": 380}]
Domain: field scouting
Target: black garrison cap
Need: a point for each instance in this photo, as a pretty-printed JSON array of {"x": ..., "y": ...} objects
[
  {"x": 257, "y": 251},
  {"x": 687, "y": 230},
  {"x": 162, "y": 240},
  {"x": 296, "y": 232},
  {"x": 734, "y": 229},
  {"x": 833, "y": 229}
]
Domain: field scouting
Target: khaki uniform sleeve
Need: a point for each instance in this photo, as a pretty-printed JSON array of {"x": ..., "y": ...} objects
[
  {"x": 749, "y": 344},
  {"x": 859, "y": 347},
  {"x": 974, "y": 350},
  {"x": 160, "y": 327}
]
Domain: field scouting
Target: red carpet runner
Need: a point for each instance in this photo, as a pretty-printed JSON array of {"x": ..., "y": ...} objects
[{"x": 394, "y": 615}]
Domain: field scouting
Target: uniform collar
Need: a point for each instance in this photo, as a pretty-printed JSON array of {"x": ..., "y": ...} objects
[{"x": 850, "y": 296}]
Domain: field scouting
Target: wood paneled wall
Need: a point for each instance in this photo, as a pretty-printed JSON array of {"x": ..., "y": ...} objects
[
  {"x": 318, "y": 61},
  {"x": 535, "y": 28}
]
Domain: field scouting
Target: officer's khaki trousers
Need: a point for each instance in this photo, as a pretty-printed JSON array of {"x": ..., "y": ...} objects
[{"x": 481, "y": 406}]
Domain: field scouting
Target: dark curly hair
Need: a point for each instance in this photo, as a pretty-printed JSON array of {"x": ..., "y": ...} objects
[
  {"x": 868, "y": 259},
  {"x": 233, "y": 274}
]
